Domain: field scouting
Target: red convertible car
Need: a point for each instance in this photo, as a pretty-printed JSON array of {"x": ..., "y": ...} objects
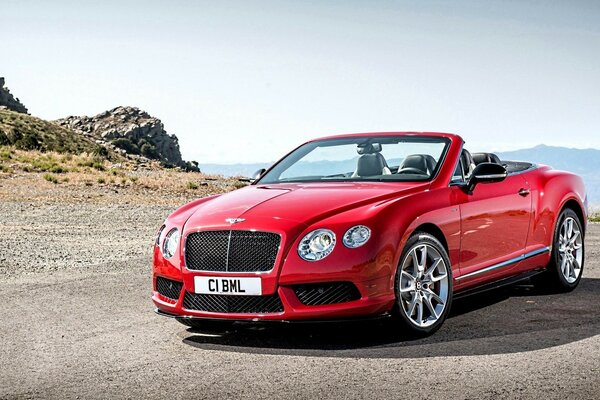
[{"x": 368, "y": 225}]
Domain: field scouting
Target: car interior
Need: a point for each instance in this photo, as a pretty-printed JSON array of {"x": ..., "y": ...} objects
[
  {"x": 511, "y": 166},
  {"x": 372, "y": 163}
]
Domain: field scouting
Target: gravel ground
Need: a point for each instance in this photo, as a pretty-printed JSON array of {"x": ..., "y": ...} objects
[{"x": 78, "y": 323}]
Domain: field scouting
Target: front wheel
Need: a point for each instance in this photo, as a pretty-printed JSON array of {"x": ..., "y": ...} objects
[{"x": 423, "y": 285}]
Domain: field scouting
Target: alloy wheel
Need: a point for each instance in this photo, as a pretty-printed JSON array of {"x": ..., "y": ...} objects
[
  {"x": 570, "y": 249},
  {"x": 423, "y": 285}
]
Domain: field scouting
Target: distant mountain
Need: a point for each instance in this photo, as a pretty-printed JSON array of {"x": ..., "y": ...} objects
[
  {"x": 580, "y": 161},
  {"x": 245, "y": 170},
  {"x": 585, "y": 162}
]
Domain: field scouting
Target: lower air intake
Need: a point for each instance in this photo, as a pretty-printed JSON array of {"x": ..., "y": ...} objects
[
  {"x": 318, "y": 294},
  {"x": 168, "y": 288},
  {"x": 233, "y": 304}
]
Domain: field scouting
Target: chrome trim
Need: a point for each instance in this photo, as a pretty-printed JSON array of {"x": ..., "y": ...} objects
[
  {"x": 492, "y": 176},
  {"x": 507, "y": 262},
  {"x": 531, "y": 168},
  {"x": 226, "y": 254}
]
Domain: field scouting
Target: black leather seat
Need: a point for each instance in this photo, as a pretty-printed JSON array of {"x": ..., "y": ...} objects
[
  {"x": 479, "y": 158},
  {"x": 422, "y": 162},
  {"x": 371, "y": 162},
  {"x": 370, "y": 165},
  {"x": 468, "y": 163}
]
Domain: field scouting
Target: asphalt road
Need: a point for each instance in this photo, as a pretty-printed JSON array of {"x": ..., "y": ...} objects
[{"x": 76, "y": 329}]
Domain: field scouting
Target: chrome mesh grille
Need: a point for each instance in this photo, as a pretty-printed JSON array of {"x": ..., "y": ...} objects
[
  {"x": 168, "y": 288},
  {"x": 233, "y": 304},
  {"x": 316, "y": 294},
  {"x": 231, "y": 251}
]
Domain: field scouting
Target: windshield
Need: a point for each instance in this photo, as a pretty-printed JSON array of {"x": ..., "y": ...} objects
[{"x": 367, "y": 158}]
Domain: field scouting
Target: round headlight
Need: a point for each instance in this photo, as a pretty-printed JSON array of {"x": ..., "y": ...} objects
[
  {"x": 356, "y": 236},
  {"x": 316, "y": 245},
  {"x": 170, "y": 244}
]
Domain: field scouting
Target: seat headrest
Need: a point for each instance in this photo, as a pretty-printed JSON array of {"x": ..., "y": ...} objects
[
  {"x": 423, "y": 162},
  {"x": 368, "y": 148},
  {"x": 479, "y": 158}
]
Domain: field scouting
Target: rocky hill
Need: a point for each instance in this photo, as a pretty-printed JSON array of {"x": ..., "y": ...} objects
[
  {"x": 8, "y": 101},
  {"x": 26, "y": 132},
  {"x": 130, "y": 131}
]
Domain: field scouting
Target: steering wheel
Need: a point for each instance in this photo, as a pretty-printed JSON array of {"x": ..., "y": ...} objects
[{"x": 411, "y": 170}]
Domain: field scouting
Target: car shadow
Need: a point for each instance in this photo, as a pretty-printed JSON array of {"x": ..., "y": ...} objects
[{"x": 514, "y": 319}]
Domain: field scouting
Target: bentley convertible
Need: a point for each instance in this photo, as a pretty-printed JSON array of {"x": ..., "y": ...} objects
[{"x": 370, "y": 225}]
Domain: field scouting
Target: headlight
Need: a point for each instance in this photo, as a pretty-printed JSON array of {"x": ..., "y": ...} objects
[
  {"x": 316, "y": 245},
  {"x": 170, "y": 244},
  {"x": 356, "y": 236}
]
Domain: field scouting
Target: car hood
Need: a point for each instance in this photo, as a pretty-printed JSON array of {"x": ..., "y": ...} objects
[{"x": 297, "y": 203}]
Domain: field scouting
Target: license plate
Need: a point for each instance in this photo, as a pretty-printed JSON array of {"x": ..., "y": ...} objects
[{"x": 231, "y": 286}]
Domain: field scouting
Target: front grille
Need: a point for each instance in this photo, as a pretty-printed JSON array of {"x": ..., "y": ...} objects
[
  {"x": 232, "y": 304},
  {"x": 317, "y": 294},
  {"x": 168, "y": 288},
  {"x": 231, "y": 251}
]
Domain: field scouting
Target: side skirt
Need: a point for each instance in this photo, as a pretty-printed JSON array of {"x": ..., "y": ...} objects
[{"x": 498, "y": 284}]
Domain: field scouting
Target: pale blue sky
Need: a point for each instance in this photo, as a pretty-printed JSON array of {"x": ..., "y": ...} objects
[{"x": 243, "y": 81}]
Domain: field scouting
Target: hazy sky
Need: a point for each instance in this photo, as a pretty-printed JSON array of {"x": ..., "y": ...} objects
[{"x": 243, "y": 81}]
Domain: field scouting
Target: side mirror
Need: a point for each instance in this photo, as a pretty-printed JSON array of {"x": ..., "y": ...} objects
[
  {"x": 486, "y": 173},
  {"x": 256, "y": 176}
]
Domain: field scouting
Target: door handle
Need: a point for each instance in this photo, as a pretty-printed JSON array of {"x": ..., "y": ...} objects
[{"x": 524, "y": 192}]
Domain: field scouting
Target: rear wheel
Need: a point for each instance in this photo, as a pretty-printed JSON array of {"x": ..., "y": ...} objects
[
  {"x": 568, "y": 252},
  {"x": 423, "y": 285}
]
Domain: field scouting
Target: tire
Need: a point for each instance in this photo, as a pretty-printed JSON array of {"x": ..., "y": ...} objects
[
  {"x": 564, "y": 274},
  {"x": 423, "y": 286}
]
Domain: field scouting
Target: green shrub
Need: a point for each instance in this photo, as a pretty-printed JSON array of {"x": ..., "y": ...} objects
[
  {"x": 14, "y": 136},
  {"x": 50, "y": 178},
  {"x": 5, "y": 154},
  {"x": 134, "y": 179},
  {"x": 126, "y": 145},
  {"x": 5, "y": 168},
  {"x": 101, "y": 180},
  {"x": 57, "y": 169},
  {"x": 28, "y": 142},
  {"x": 149, "y": 151},
  {"x": 4, "y": 141},
  {"x": 100, "y": 151},
  {"x": 85, "y": 163},
  {"x": 192, "y": 185},
  {"x": 99, "y": 166}
]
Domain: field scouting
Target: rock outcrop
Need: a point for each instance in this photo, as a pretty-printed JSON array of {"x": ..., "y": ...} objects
[
  {"x": 8, "y": 101},
  {"x": 130, "y": 131}
]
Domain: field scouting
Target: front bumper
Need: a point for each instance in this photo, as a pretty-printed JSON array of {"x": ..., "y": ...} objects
[{"x": 292, "y": 308}]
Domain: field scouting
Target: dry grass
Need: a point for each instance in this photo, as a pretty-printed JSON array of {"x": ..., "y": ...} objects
[{"x": 50, "y": 176}]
